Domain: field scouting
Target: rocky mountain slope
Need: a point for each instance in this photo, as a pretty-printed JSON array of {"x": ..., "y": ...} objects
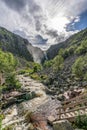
[
  {"x": 19, "y": 46},
  {"x": 67, "y": 68},
  {"x": 75, "y": 39}
]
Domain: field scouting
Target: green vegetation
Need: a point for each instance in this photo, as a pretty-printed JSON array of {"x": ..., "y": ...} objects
[
  {"x": 68, "y": 68},
  {"x": 74, "y": 41},
  {"x": 65, "y": 53},
  {"x": 0, "y": 121},
  {"x": 36, "y": 67},
  {"x": 79, "y": 68},
  {"x": 81, "y": 122},
  {"x": 82, "y": 49},
  {"x": 12, "y": 82},
  {"x": 1, "y": 118},
  {"x": 48, "y": 64},
  {"x": 32, "y": 69},
  {"x": 35, "y": 76},
  {"x": 14, "y": 44},
  {"x": 10, "y": 127},
  {"x": 58, "y": 63},
  {"x": 26, "y": 71},
  {"x": 8, "y": 64}
]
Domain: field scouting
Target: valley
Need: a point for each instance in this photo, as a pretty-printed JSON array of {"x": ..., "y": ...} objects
[{"x": 34, "y": 83}]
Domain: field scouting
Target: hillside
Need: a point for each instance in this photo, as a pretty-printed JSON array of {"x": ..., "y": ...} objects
[
  {"x": 67, "y": 68},
  {"x": 76, "y": 39},
  {"x": 26, "y": 100},
  {"x": 19, "y": 46}
]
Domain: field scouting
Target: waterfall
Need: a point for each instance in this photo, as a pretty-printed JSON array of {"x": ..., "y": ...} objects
[{"x": 45, "y": 55}]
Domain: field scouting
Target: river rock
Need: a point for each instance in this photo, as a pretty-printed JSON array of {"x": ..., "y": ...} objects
[{"x": 62, "y": 125}]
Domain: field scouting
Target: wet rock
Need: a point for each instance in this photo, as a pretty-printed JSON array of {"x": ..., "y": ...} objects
[{"x": 62, "y": 125}]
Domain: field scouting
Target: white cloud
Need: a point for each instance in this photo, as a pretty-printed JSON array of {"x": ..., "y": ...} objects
[{"x": 38, "y": 17}]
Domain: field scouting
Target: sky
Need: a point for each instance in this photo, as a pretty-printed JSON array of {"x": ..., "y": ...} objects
[{"x": 44, "y": 22}]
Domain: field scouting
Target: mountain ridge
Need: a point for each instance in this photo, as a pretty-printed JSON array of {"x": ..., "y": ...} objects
[
  {"x": 19, "y": 46},
  {"x": 55, "y": 48}
]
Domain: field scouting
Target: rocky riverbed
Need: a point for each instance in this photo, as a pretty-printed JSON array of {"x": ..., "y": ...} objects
[{"x": 42, "y": 107}]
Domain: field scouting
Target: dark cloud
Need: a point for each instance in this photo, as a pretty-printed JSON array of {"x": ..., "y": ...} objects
[
  {"x": 40, "y": 40},
  {"x": 33, "y": 14},
  {"x": 38, "y": 25},
  {"x": 52, "y": 33},
  {"x": 34, "y": 10},
  {"x": 37, "y": 14},
  {"x": 16, "y": 5}
]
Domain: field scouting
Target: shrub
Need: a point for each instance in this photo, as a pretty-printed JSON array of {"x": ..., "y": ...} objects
[
  {"x": 27, "y": 70},
  {"x": 36, "y": 67},
  {"x": 7, "y": 62},
  {"x": 79, "y": 68},
  {"x": 35, "y": 76},
  {"x": 58, "y": 63},
  {"x": 82, "y": 49},
  {"x": 31, "y": 68},
  {"x": 44, "y": 77},
  {"x": 1, "y": 118},
  {"x": 48, "y": 64},
  {"x": 12, "y": 82},
  {"x": 81, "y": 122},
  {"x": 68, "y": 52},
  {"x": 85, "y": 77},
  {"x": 3, "y": 88}
]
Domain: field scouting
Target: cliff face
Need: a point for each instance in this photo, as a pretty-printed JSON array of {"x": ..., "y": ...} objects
[{"x": 19, "y": 46}]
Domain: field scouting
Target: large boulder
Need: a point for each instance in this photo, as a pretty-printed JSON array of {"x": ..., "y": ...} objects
[
  {"x": 62, "y": 125},
  {"x": 50, "y": 120}
]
